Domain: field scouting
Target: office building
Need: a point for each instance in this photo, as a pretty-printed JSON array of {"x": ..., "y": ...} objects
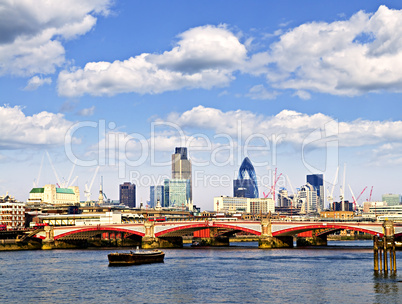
[
  {"x": 53, "y": 195},
  {"x": 243, "y": 186},
  {"x": 347, "y": 206},
  {"x": 156, "y": 194},
  {"x": 307, "y": 199},
  {"x": 243, "y": 205},
  {"x": 177, "y": 193},
  {"x": 12, "y": 213},
  {"x": 181, "y": 166},
  {"x": 317, "y": 181},
  {"x": 284, "y": 200},
  {"x": 127, "y": 195},
  {"x": 392, "y": 199}
]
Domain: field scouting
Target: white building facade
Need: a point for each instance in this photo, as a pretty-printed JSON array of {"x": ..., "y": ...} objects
[
  {"x": 50, "y": 194},
  {"x": 12, "y": 214},
  {"x": 243, "y": 205}
]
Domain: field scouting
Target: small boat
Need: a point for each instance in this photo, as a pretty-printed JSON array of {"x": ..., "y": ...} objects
[{"x": 136, "y": 258}]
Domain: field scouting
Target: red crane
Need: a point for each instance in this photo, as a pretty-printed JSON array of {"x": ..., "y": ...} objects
[
  {"x": 371, "y": 192},
  {"x": 272, "y": 188},
  {"x": 361, "y": 193}
]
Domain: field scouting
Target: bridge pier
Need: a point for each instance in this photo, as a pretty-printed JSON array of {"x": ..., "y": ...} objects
[
  {"x": 311, "y": 238},
  {"x": 267, "y": 241},
  {"x": 165, "y": 242},
  {"x": 220, "y": 241},
  {"x": 48, "y": 242}
]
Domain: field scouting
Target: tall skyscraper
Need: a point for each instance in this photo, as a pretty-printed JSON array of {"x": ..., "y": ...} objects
[
  {"x": 317, "y": 181},
  {"x": 246, "y": 187},
  {"x": 181, "y": 166},
  {"x": 156, "y": 193},
  {"x": 127, "y": 194}
]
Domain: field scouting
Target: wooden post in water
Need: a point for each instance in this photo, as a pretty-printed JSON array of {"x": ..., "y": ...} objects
[
  {"x": 391, "y": 256},
  {"x": 389, "y": 245},
  {"x": 375, "y": 241},
  {"x": 385, "y": 244},
  {"x": 380, "y": 258},
  {"x": 394, "y": 251}
]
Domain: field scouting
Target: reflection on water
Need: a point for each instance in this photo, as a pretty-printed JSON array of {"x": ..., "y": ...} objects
[
  {"x": 387, "y": 287},
  {"x": 238, "y": 274}
]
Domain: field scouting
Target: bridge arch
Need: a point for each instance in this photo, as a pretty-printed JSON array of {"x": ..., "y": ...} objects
[
  {"x": 295, "y": 230},
  {"x": 204, "y": 225},
  {"x": 97, "y": 228}
]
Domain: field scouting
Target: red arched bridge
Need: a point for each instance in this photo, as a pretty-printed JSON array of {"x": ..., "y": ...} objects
[{"x": 170, "y": 229}]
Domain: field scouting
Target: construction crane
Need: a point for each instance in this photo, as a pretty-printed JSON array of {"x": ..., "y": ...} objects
[
  {"x": 361, "y": 193},
  {"x": 272, "y": 188},
  {"x": 88, "y": 189},
  {"x": 330, "y": 197},
  {"x": 371, "y": 192},
  {"x": 354, "y": 198},
  {"x": 342, "y": 196},
  {"x": 36, "y": 182},
  {"x": 294, "y": 196}
]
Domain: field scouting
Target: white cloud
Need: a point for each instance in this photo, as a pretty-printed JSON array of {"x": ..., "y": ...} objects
[
  {"x": 351, "y": 57},
  {"x": 348, "y": 57},
  {"x": 293, "y": 127},
  {"x": 204, "y": 57},
  {"x": 260, "y": 92},
  {"x": 18, "y": 130},
  {"x": 36, "y": 81},
  {"x": 302, "y": 94},
  {"x": 31, "y": 32},
  {"x": 87, "y": 112}
]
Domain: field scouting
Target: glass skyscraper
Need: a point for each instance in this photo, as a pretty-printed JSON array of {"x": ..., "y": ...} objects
[
  {"x": 317, "y": 181},
  {"x": 177, "y": 192},
  {"x": 246, "y": 187},
  {"x": 156, "y": 193},
  {"x": 181, "y": 166}
]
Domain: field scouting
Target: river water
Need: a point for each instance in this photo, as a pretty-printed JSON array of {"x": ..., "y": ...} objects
[{"x": 242, "y": 273}]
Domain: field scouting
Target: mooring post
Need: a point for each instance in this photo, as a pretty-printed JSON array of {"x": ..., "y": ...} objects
[
  {"x": 380, "y": 257},
  {"x": 394, "y": 251},
  {"x": 375, "y": 245},
  {"x": 391, "y": 257},
  {"x": 385, "y": 244},
  {"x": 389, "y": 232}
]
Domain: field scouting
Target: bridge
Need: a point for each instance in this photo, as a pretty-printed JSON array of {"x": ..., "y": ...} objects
[{"x": 271, "y": 233}]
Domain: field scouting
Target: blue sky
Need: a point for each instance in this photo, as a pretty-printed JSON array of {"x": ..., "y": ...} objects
[{"x": 311, "y": 85}]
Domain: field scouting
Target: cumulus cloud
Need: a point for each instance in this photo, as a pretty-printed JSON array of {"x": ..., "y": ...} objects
[
  {"x": 19, "y": 131},
  {"x": 31, "y": 32},
  {"x": 36, "y": 81},
  {"x": 290, "y": 126},
  {"x": 204, "y": 57},
  {"x": 351, "y": 57},
  {"x": 260, "y": 92},
  {"x": 86, "y": 112}
]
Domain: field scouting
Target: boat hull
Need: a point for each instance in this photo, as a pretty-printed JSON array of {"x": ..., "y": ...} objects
[{"x": 134, "y": 258}]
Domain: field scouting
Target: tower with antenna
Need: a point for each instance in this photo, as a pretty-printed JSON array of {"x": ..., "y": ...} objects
[{"x": 101, "y": 192}]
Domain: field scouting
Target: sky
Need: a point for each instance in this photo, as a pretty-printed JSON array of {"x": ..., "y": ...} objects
[{"x": 102, "y": 89}]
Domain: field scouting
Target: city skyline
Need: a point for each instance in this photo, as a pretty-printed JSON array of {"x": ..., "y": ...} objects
[{"x": 303, "y": 88}]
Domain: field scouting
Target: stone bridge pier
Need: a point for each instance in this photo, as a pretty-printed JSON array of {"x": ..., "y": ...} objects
[
  {"x": 312, "y": 238},
  {"x": 212, "y": 238},
  {"x": 48, "y": 242},
  {"x": 149, "y": 241},
  {"x": 267, "y": 241}
]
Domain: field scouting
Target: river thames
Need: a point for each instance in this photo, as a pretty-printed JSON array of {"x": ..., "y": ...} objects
[{"x": 242, "y": 273}]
